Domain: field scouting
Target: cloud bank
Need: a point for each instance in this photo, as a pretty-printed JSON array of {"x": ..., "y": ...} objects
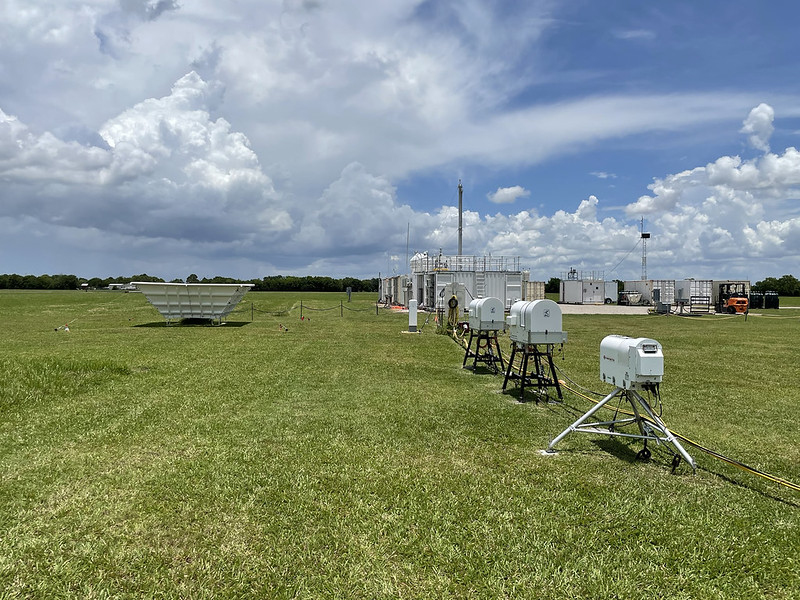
[{"x": 175, "y": 138}]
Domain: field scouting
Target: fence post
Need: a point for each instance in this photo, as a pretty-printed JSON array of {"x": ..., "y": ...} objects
[
  {"x": 341, "y": 310},
  {"x": 301, "y": 310}
]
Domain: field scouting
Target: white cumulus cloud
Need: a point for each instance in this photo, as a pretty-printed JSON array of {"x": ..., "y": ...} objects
[
  {"x": 758, "y": 126},
  {"x": 508, "y": 195}
]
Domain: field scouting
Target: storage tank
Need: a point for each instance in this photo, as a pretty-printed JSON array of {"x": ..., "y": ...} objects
[
  {"x": 756, "y": 300},
  {"x": 486, "y": 314},
  {"x": 771, "y": 300}
]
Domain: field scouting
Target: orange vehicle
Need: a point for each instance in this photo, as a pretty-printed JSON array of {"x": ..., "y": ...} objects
[
  {"x": 737, "y": 304},
  {"x": 732, "y": 298}
]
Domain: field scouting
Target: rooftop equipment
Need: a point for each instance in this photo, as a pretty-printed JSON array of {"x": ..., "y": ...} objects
[
  {"x": 631, "y": 365},
  {"x": 176, "y": 301},
  {"x": 486, "y": 318},
  {"x": 534, "y": 328}
]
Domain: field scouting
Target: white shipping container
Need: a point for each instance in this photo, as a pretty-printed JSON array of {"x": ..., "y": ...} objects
[
  {"x": 687, "y": 288},
  {"x": 571, "y": 291},
  {"x": 666, "y": 288},
  {"x": 644, "y": 287}
]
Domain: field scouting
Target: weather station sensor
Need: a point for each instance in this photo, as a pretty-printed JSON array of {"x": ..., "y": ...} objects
[
  {"x": 486, "y": 319},
  {"x": 534, "y": 328},
  {"x": 631, "y": 365},
  {"x": 208, "y": 301},
  {"x": 487, "y": 314},
  {"x": 536, "y": 322}
]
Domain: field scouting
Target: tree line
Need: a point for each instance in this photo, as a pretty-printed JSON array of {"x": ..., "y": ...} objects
[
  {"x": 272, "y": 283},
  {"x": 787, "y": 285}
]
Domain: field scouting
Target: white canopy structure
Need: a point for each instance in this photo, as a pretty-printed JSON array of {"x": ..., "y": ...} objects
[{"x": 176, "y": 301}]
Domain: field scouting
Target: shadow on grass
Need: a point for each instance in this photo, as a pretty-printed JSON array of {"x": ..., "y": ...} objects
[
  {"x": 195, "y": 324},
  {"x": 739, "y": 484},
  {"x": 482, "y": 369},
  {"x": 617, "y": 449},
  {"x": 533, "y": 395}
]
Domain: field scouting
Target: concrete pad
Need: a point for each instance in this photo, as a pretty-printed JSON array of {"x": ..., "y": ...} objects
[{"x": 602, "y": 309}]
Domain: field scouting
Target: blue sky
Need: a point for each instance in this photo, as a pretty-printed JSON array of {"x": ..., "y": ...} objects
[{"x": 307, "y": 137}]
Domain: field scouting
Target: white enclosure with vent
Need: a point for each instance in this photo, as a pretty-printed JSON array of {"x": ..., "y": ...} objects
[
  {"x": 537, "y": 322},
  {"x": 487, "y": 314},
  {"x": 630, "y": 363},
  {"x": 176, "y": 301}
]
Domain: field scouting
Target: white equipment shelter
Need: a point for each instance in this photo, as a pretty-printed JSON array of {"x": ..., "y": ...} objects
[
  {"x": 176, "y": 301},
  {"x": 534, "y": 328},
  {"x": 631, "y": 364},
  {"x": 486, "y": 318}
]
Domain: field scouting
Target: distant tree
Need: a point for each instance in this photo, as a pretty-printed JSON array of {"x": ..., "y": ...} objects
[
  {"x": 65, "y": 282},
  {"x": 788, "y": 285},
  {"x": 370, "y": 285},
  {"x": 142, "y": 277},
  {"x": 192, "y": 279},
  {"x": 553, "y": 286}
]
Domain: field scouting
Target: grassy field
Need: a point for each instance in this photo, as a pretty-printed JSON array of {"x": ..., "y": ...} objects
[{"x": 345, "y": 459}]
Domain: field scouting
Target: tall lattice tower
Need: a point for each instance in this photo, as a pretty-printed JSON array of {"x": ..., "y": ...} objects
[{"x": 645, "y": 237}]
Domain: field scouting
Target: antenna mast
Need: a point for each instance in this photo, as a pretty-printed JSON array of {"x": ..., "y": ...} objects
[
  {"x": 460, "y": 212},
  {"x": 645, "y": 237},
  {"x": 408, "y": 233}
]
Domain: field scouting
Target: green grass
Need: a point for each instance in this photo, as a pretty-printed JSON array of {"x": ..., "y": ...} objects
[{"x": 345, "y": 459}]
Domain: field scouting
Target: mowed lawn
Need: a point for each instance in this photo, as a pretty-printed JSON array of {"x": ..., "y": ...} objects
[{"x": 345, "y": 459}]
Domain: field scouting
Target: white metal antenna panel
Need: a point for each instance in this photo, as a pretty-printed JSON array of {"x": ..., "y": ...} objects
[{"x": 177, "y": 301}]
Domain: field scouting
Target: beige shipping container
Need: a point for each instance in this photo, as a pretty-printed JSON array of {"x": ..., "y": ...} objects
[{"x": 534, "y": 290}]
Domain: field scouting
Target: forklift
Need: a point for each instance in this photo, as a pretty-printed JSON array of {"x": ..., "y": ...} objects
[{"x": 732, "y": 299}]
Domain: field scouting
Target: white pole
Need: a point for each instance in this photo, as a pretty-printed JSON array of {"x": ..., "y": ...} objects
[{"x": 412, "y": 315}]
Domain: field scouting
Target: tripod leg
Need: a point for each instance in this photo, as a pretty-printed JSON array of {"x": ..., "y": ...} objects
[
  {"x": 553, "y": 374},
  {"x": 583, "y": 419},
  {"x": 510, "y": 365},
  {"x": 523, "y": 374},
  {"x": 661, "y": 426},
  {"x": 466, "y": 354}
]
